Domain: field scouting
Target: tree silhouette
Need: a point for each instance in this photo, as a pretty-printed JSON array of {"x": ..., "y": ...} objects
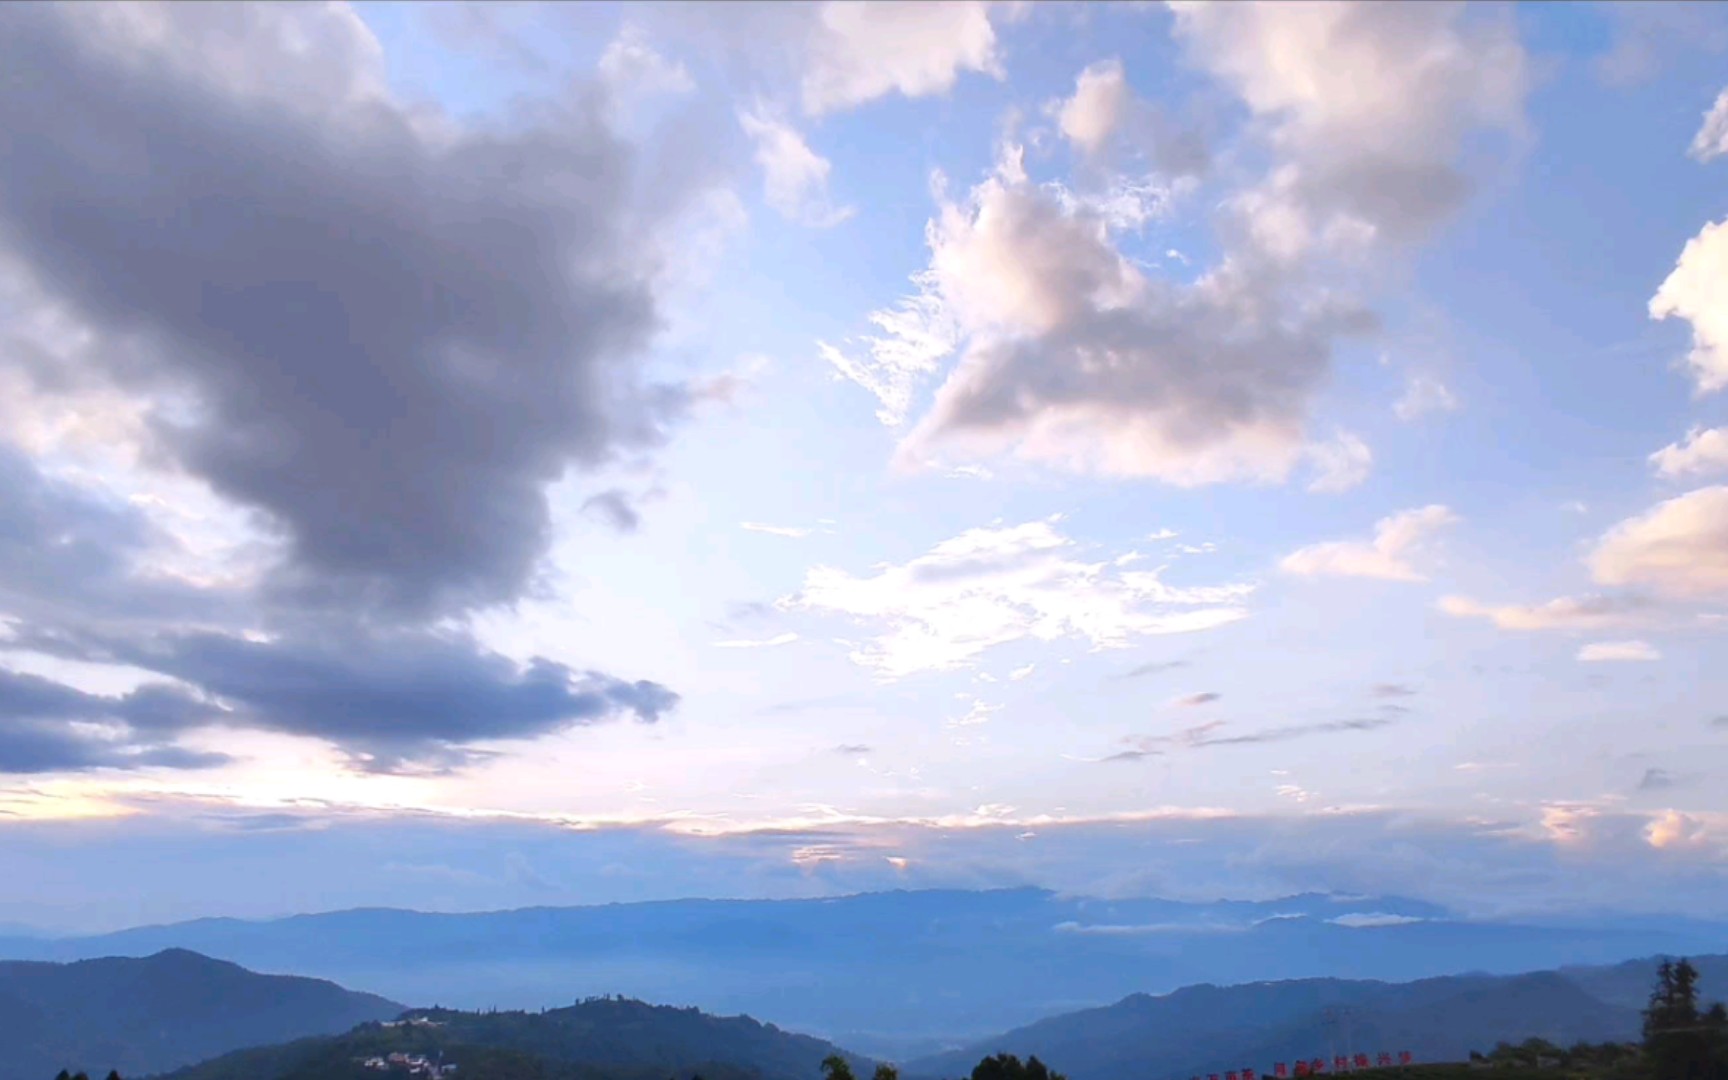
[
  {"x": 1680, "y": 1042},
  {"x": 834, "y": 1067},
  {"x": 886, "y": 1072},
  {"x": 1009, "y": 1067}
]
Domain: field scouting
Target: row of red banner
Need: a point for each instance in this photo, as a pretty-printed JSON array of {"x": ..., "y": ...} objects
[{"x": 1317, "y": 1067}]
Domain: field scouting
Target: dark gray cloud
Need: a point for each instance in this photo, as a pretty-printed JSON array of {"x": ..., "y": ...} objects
[
  {"x": 395, "y": 700},
  {"x": 1294, "y": 731},
  {"x": 394, "y": 333},
  {"x": 1211, "y": 733},
  {"x": 1656, "y": 780},
  {"x": 383, "y": 333},
  {"x": 613, "y": 506},
  {"x": 39, "y": 732},
  {"x": 1153, "y": 667}
]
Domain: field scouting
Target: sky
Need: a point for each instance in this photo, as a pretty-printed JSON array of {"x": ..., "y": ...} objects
[{"x": 469, "y": 456}]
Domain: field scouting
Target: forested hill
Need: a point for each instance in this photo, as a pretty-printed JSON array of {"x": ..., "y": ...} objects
[
  {"x": 598, "y": 1039},
  {"x": 1202, "y": 1030},
  {"x": 158, "y": 1012}
]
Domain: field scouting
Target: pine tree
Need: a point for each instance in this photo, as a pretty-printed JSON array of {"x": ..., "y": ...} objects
[{"x": 1680, "y": 1043}]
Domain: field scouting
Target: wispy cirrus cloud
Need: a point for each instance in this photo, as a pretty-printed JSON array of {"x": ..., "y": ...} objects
[{"x": 991, "y": 586}]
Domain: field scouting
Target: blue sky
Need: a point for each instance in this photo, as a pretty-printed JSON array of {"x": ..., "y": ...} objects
[{"x": 591, "y": 452}]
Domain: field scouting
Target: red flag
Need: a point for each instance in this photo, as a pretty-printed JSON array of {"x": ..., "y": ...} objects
[
  {"x": 1247, "y": 1074},
  {"x": 1361, "y": 1061},
  {"x": 1316, "y": 1066},
  {"x": 1403, "y": 1057},
  {"x": 1230, "y": 1075},
  {"x": 1301, "y": 1068},
  {"x": 1281, "y": 1071},
  {"x": 1340, "y": 1063},
  {"x": 1384, "y": 1059}
]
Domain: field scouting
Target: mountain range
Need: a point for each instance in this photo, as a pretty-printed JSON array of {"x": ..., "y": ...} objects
[
  {"x": 1200, "y": 1030},
  {"x": 888, "y": 974},
  {"x": 177, "y": 1008},
  {"x": 155, "y": 1013},
  {"x": 598, "y": 1039}
]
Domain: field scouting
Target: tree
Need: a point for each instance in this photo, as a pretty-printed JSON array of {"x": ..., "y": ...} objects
[
  {"x": 1009, "y": 1067},
  {"x": 1681, "y": 1043},
  {"x": 886, "y": 1072},
  {"x": 834, "y": 1067}
]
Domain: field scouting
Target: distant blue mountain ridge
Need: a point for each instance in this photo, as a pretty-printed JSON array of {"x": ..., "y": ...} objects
[{"x": 881, "y": 971}]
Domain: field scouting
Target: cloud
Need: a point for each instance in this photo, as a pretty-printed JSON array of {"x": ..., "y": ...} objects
[
  {"x": 391, "y": 699},
  {"x": 1104, "y": 119},
  {"x": 1647, "y": 37},
  {"x": 1655, "y": 780},
  {"x": 1212, "y": 734},
  {"x": 1679, "y": 548},
  {"x": 1423, "y": 394},
  {"x": 1676, "y": 831},
  {"x": 1712, "y": 139},
  {"x": 1564, "y": 613},
  {"x": 852, "y": 749},
  {"x": 1606, "y": 651},
  {"x": 1020, "y": 673},
  {"x": 1092, "y": 117},
  {"x": 1071, "y": 355},
  {"x": 1703, "y": 452},
  {"x": 1697, "y": 291},
  {"x": 1392, "y": 690},
  {"x": 791, "y": 532},
  {"x": 766, "y": 643},
  {"x": 1204, "y": 698},
  {"x": 1340, "y": 464},
  {"x": 630, "y": 64},
  {"x": 917, "y": 334},
  {"x": 613, "y": 506},
  {"x": 1368, "y": 104},
  {"x": 47, "y": 726},
  {"x": 794, "y": 177},
  {"x": 991, "y": 586},
  {"x": 1153, "y": 667},
  {"x": 1357, "y": 920},
  {"x": 357, "y": 269},
  {"x": 1387, "y": 556},
  {"x": 859, "y": 52},
  {"x": 1074, "y": 357}
]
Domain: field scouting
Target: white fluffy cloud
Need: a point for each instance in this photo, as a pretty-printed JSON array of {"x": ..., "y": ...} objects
[
  {"x": 794, "y": 177},
  {"x": 1076, "y": 358},
  {"x": 1679, "y": 547},
  {"x": 1564, "y": 613},
  {"x": 1697, "y": 291},
  {"x": 861, "y": 51},
  {"x": 1368, "y": 105},
  {"x": 1618, "y": 651},
  {"x": 1071, "y": 355},
  {"x": 1701, "y": 453},
  {"x": 1092, "y": 117},
  {"x": 1104, "y": 119},
  {"x": 1397, "y": 539},
  {"x": 1712, "y": 138},
  {"x": 991, "y": 586}
]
